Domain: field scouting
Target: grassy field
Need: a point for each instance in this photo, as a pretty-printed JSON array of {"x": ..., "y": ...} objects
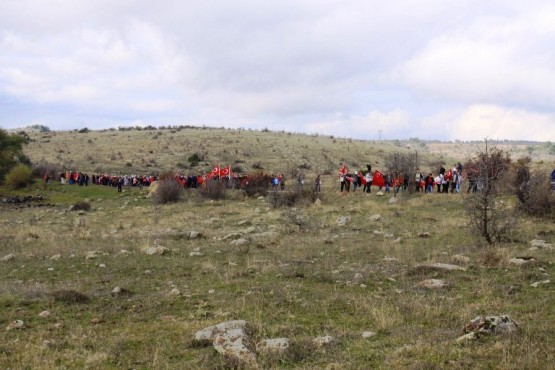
[{"x": 330, "y": 269}]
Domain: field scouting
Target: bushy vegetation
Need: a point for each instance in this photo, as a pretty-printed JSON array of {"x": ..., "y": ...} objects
[
  {"x": 257, "y": 185},
  {"x": 532, "y": 188},
  {"x": 214, "y": 190},
  {"x": 19, "y": 177},
  {"x": 489, "y": 217},
  {"x": 11, "y": 152},
  {"x": 168, "y": 190}
]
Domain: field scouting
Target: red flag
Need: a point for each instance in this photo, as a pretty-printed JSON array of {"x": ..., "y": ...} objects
[
  {"x": 343, "y": 170},
  {"x": 362, "y": 179},
  {"x": 378, "y": 180},
  {"x": 225, "y": 171}
]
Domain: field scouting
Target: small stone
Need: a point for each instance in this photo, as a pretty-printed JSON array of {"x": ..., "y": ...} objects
[
  {"x": 368, "y": 334},
  {"x": 44, "y": 314},
  {"x": 343, "y": 220},
  {"x": 239, "y": 242},
  {"x": 519, "y": 261},
  {"x": 541, "y": 244},
  {"x": 157, "y": 250},
  {"x": 175, "y": 291},
  {"x": 50, "y": 269},
  {"x": 16, "y": 325},
  {"x": 375, "y": 218},
  {"x": 358, "y": 277},
  {"x": 97, "y": 320},
  {"x": 424, "y": 235},
  {"x": 102, "y": 265},
  {"x": 276, "y": 345},
  {"x": 8, "y": 257},
  {"x": 56, "y": 257},
  {"x": 432, "y": 284},
  {"x": 323, "y": 341},
  {"x": 196, "y": 254},
  {"x": 195, "y": 235},
  {"x": 380, "y": 193},
  {"x": 467, "y": 337},
  {"x": 459, "y": 258},
  {"x": 392, "y": 200},
  {"x": 538, "y": 283},
  {"x": 92, "y": 255}
]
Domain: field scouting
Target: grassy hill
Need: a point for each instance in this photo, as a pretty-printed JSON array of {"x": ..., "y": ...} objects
[{"x": 352, "y": 265}]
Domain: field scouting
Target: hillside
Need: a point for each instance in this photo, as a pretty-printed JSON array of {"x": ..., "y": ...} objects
[{"x": 148, "y": 151}]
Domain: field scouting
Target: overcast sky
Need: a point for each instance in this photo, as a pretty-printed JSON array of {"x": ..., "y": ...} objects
[{"x": 431, "y": 69}]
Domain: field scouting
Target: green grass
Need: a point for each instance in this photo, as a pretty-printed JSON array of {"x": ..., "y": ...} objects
[{"x": 287, "y": 282}]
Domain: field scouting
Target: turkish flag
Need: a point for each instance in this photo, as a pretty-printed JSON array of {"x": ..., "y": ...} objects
[
  {"x": 378, "y": 180},
  {"x": 225, "y": 171},
  {"x": 362, "y": 179},
  {"x": 343, "y": 170}
]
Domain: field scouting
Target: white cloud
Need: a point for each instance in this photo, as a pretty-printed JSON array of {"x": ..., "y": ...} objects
[
  {"x": 495, "y": 122},
  {"x": 493, "y": 59},
  {"x": 401, "y": 67}
]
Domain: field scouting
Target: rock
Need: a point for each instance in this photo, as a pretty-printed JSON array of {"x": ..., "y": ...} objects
[
  {"x": 318, "y": 203},
  {"x": 102, "y": 265},
  {"x": 207, "y": 335},
  {"x": 260, "y": 197},
  {"x": 244, "y": 223},
  {"x": 158, "y": 250},
  {"x": 466, "y": 337},
  {"x": 459, "y": 258},
  {"x": 229, "y": 339},
  {"x": 538, "y": 283},
  {"x": 380, "y": 193},
  {"x": 358, "y": 277},
  {"x": 519, "y": 261},
  {"x": 196, "y": 254},
  {"x": 92, "y": 255},
  {"x": 233, "y": 236},
  {"x": 9, "y": 257},
  {"x": 238, "y": 242},
  {"x": 368, "y": 334},
  {"x": 390, "y": 259},
  {"x": 343, "y": 220},
  {"x": 276, "y": 345},
  {"x": 324, "y": 341},
  {"x": 502, "y": 324},
  {"x": 440, "y": 266},
  {"x": 16, "y": 325},
  {"x": 541, "y": 244},
  {"x": 432, "y": 284},
  {"x": 392, "y": 200},
  {"x": 97, "y": 320},
  {"x": 232, "y": 343},
  {"x": 45, "y": 314},
  {"x": 124, "y": 252},
  {"x": 424, "y": 235},
  {"x": 375, "y": 218},
  {"x": 175, "y": 291},
  {"x": 120, "y": 292},
  {"x": 250, "y": 230},
  {"x": 195, "y": 235},
  {"x": 56, "y": 257}
]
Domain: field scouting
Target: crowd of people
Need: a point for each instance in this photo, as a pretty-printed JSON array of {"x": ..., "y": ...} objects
[{"x": 446, "y": 181}]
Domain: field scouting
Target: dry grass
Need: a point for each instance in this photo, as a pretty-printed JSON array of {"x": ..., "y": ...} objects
[{"x": 294, "y": 277}]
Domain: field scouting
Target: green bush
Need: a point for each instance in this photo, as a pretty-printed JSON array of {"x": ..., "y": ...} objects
[{"x": 19, "y": 177}]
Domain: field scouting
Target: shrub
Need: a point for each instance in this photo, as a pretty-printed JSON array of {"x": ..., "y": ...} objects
[
  {"x": 19, "y": 177},
  {"x": 81, "y": 206},
  {"x": 257, "y": 185},
  {"x": 488, "y": 215},
  {"x": 70, "y": 296},
  {"x": 258, "y": 165},
  {"x": 213, "y": 189},
  {"x": 168, "y": 191},
  {"x": 194, "y": 159},
  {"x": 278, "y": 199}
]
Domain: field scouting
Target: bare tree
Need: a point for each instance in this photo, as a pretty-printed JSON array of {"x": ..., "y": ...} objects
[
  {"x": 402, "y": 164},
  {"x": 490, "y": 216}
]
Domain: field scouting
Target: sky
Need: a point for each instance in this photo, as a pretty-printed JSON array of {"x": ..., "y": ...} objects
[{"x": 365, "y": 69}]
